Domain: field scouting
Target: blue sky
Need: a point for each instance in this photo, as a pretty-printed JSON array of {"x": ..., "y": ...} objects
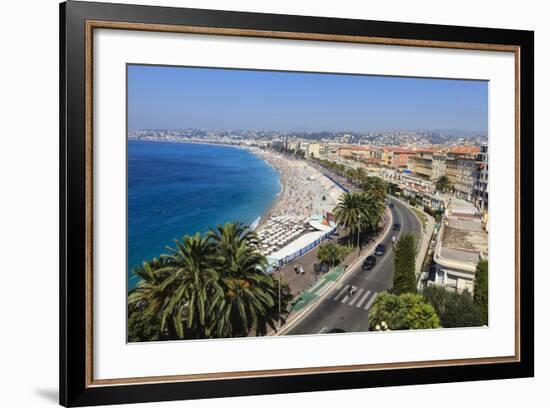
[{"x": 211, "y": 98}]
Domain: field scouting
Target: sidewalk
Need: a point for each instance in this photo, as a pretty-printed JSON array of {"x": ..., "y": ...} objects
[{"x": 425, "y": 243}]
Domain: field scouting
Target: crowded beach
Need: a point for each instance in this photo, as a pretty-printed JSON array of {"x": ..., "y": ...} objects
[{"x": 305, "y": 199}]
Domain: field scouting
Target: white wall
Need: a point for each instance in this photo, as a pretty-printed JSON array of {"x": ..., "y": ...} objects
[{"x": 29, "y": 205}]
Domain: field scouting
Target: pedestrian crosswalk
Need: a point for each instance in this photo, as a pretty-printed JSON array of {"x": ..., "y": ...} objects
[
  {"x": 356, "y": 296},
  {"x": 361, "y": 299}
]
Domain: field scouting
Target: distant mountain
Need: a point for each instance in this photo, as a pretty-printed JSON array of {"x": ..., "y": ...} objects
[
  {"x": 437, "y": 139},
  {"x": 457, "y": 133}
]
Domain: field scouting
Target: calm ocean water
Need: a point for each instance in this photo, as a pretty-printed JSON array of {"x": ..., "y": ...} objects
[{"x": 177, "y": 189}]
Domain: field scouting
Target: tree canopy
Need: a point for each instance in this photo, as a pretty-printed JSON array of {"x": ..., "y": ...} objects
[
  {"x": 454, "y": 309},
  {"x": 393, "y": 189},
  {"x": 375, "y": 186},
  {"x": 443, "y": 183},
  {"x": 402, "y": 312},
  {"x": 332, "y": 253},
  {"x": 210, "y": 286},
  {"x": 404, "y": 278},
  {"x": 359, "y": 211},
  {"x": 481, "y": 289}
]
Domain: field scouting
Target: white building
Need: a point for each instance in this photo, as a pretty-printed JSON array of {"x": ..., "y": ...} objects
[{"x": 461, "y": 243}]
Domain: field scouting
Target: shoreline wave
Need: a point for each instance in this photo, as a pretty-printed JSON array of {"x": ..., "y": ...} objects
[
  {"x": 249, "y": 209},
  {"x": 262, "y": 218}
]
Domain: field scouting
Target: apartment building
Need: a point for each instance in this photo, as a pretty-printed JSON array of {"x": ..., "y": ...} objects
[
  {"x": 331, "y": 150},
  {"x": 466, "y": 167},
  {"x": 422, "y": 165},
  {"x": 313, "y": 150},
  {"x": 354, "y": 152},
  {"x": 293, "y": 145},
  {"x": 395, "y": 158},
  {"x": 429, "y": 165},
  {"x": 461, "y": 170},
  {"x": 439, "y": 165},
  {"x": 481, "y": 183}
]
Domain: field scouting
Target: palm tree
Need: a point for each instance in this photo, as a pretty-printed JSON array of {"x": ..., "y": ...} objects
[
  {"x": 375, "y": 186},
  {"x": 145, "y": 302},
  {"x": 387, "y": 308},
  {"x": 188, "y": 287},
  {"x": 207, "y": 287},
  {"x": 360, "y": 175},
  {"x": 249, "y": 299},
  {"x": 372, "y": 210},
  {"x": 147, "y": 292},
  {"x": 350, "y": 175},
  {"x": 348, "y": 212},
  {"x": 330, "y": 253}
]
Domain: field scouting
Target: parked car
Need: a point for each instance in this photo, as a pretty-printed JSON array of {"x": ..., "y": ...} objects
[
  {"x": 380, "y": 250},
  {"x": 324, "y": 267},
  {"x": 335, "y": 330},
  {"x": 369, "y": 263},
  {"x": 397, "y": 227}
]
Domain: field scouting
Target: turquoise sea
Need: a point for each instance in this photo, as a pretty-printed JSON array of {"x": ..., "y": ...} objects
[{"x": 176, "y": 189}]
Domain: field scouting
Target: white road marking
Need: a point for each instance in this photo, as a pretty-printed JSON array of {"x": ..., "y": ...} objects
[
  {"x": 341, "y": 293},
  {"x": 322, "y": 330},
  {"x": 345, "y": 299},
  {"x": 355, "y": 297},
  {"x": 369, "y": 304},
  {"x": 363, "y": 299}
]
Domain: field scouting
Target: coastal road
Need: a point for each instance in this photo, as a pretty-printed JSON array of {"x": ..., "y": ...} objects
[{"x": 350, "y": 313}]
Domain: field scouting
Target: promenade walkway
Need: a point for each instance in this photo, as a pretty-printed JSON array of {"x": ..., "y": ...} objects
[{"x": 425, "y": 243}]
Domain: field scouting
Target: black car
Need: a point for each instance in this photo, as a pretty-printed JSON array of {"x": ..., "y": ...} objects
[
  {"x": 335, "y": 330},
  {"x": 380, "y": 250},
  {"x": 391, "y": 205},
  {"x": 397, "y": 227},
  {"x": 369, "y": 263}
]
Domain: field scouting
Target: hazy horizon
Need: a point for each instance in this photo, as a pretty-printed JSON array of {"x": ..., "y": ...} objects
[{"x": 165, "y": 97}]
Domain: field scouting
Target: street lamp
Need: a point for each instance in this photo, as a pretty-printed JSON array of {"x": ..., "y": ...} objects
[
  {"x": 358, "y": 235},
  {"x": 277, "y": 269}
]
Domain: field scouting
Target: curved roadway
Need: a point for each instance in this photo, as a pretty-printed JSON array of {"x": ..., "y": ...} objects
[{"x": 350, "y": 313}]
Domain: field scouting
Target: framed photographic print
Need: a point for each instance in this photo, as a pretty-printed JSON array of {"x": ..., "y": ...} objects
[{"x": 256, "y": 203}]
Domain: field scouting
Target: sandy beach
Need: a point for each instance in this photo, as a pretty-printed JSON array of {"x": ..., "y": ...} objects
[{"x": 305, "y": 191}]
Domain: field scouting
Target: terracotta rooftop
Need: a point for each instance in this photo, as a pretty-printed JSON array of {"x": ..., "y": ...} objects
[{"x": 464, "y": 150}]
